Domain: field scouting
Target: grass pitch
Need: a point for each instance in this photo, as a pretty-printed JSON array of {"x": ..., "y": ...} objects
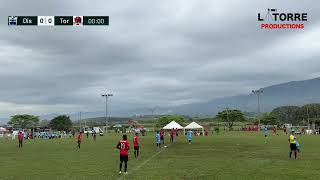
[{"x": 229, "y": 155}]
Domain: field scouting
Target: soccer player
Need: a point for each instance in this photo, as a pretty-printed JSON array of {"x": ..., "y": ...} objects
[
  {"x": 79, "y": 139},
  {"x": 158, "y": 139},
  {"x": 265, "y": 130},
  {"x": 94, "y": 135},
  {"x": 123, "y": 145},
  {"x": 293, "y": 146},
  {"x": 28, "y": 135},
  {"x": 136, "y": 145},
  {"x": 274, "y": 130},
  {"x": 190, "y": 134},
  {"x": 162, "y": 136},
  {"x": 298, "y": 146},
  {"x": 20, "y": 138},
  {"x": 285, "y": 130},
  {"x": 171, "y": 135}
]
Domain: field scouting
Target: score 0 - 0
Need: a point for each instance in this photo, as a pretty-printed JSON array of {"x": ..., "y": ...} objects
[{"x": 45, "y": 20}]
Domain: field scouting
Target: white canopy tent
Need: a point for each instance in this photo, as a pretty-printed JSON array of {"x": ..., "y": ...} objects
[
  {"x": 194, "y": 125},
  {"x": 173, "y": 125}
]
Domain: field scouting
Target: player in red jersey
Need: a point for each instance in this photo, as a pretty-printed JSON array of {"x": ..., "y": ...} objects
[
  {"x": 79, "y": 139},
  {"x": 136, "y": 145},
  {"x": 20, "y": 138},
  {"x": 94, "y": 135},
  {"x": 274, "y": 130},
  {"x": 162, "y": 136},
  {"x": 123, "y": 145},
  {"x": 171, "y": 135}
]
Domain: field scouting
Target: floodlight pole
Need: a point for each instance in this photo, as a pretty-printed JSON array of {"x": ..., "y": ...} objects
[
  {"x": 106, "y": 95},
  {"x": 308, "y": 118},
  {"x": 80, "y": 121},
  {"x": 258, "y": 94},
  {"x": 153, "y": 110}
]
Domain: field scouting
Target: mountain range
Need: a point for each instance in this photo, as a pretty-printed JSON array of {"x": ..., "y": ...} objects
[{"x": 289, "y": 93}]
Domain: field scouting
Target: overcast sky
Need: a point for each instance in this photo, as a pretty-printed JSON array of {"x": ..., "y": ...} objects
[{"x": 161, "y": 53}]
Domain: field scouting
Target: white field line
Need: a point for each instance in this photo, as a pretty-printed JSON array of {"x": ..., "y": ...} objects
[{"x": 142, "y": 164}]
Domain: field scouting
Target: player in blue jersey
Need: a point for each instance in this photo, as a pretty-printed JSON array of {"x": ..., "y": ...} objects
[
  {"x": 190, "y": 135},
  {"x": 298, "y": 146},
  {"x": 265, "y": 130},
  {"x": 158, "y": 140}
]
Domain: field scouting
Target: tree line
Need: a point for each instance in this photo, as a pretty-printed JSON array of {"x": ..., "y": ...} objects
[
  {"x": 26, "y": 121},
  {"x": 295, "y": 115}
]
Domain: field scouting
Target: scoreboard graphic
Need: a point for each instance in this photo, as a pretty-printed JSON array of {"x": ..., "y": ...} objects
[{"x": 58, "y": 20}]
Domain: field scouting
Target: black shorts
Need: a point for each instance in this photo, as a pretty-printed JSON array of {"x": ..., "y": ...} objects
[
  {"x": 293, "y": 146},
  {"x": 136, "y": 148},
  {"x": 124, "y": 158}
]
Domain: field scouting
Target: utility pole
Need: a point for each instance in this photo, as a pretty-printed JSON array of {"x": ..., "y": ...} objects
[
  {"x": 258, "y": 93},
  {"x": 106, "y": 95}
]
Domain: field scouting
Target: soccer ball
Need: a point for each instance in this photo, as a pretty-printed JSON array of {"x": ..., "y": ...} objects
[{"x": 165, "y": 146}]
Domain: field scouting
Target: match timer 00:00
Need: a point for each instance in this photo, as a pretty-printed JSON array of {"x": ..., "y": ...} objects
[{"x": 95, "y": 20}]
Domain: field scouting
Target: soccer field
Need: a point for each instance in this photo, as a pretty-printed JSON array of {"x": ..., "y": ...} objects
[{"x": 230, "y": 155}]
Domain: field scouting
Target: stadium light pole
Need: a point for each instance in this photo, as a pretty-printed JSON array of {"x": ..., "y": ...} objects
[
  {"x": 106, "y": 95},
  {"x": 80, "y": 121},
  {"x": 153, "y": 110},
  {"x": 308, "y": 118},
  {"x": 258, "y": 94},
  {"x": 309, "y": 102}
]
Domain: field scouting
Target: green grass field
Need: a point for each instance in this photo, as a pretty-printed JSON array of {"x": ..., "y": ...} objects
[{"x": 230, "y": 155}]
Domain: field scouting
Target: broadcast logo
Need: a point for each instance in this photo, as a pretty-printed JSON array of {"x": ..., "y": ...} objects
[{"x": 273, "y": 19}]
